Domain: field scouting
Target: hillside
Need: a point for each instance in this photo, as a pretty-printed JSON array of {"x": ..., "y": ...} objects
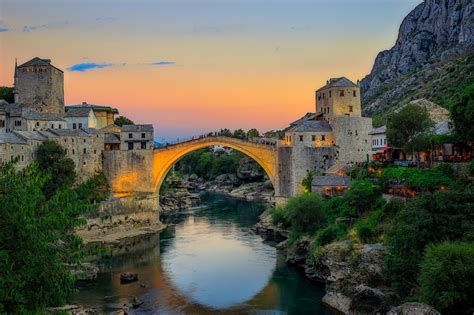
[{"x": 433, "y": 58}]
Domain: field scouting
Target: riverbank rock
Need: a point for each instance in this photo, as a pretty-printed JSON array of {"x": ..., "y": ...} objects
[
  {"x": 266, "y": 227},
  {"x": 71, "y": 309},
  {"x": 177, "y": 197},
  {"x": 136, "y": 302},
  {"x": 127, "y": 277},
  {"x": 413, "y": 309}
]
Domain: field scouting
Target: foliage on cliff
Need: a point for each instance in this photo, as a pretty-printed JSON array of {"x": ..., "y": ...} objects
[
  {"x": 462, "y": 113},
  {"x": 36, "y": 240}
]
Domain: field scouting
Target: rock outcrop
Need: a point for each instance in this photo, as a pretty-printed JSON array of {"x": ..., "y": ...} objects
[
  {"x": 177, "y": 197},
  {"x": 430, "y": 39},
  {"x": 353, "y": 275}
]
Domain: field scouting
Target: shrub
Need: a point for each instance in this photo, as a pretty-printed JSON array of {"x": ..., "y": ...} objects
[
  {"x": 279, "y": 216},
  {"x": 430, "y": 218},
  {"x": 362, "y": 196},
  {"x": 447, "y": 277},
  {"x": 305, "y": 212},
  {"x": 95, "y": 189},
  {"x": 329, "y": 234}
]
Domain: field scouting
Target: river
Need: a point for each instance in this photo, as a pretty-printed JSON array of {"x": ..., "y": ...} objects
[{"x": 208, "y": 262}]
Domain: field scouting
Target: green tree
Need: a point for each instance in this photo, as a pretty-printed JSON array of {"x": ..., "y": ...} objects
[
  {"x": 51, "y": 158},
  {"x": 410, "y": 128},
  {"x": 225, "y": 132},
  {"x": 447, "y": 277},
  {"x": 37, "y": 241},
  {"x": 430, "y": 218},
  {"x": 305, "y": 213},
  {"x": 239, "y": 134},
  {"x": 122, "y": 120},
  {"x": 462, "y": 114},
  {"x": 362, "y": 196},
  {"x": 253, "y": 133},
  {"x": 6, "y": 93}
]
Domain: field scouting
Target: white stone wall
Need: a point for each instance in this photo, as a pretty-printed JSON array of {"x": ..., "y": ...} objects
[{"x": 379, "y": 141}]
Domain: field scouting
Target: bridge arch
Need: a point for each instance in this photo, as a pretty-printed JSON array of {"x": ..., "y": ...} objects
[{"x": 164, "y": 158}]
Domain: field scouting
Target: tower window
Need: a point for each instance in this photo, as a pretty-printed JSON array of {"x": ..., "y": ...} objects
[
  {"x": 323, "y": 137},
  {"x": 341, "y": 93},
  {"x": 85, "y": 151},
  {"x": 354, "y": 93},
  {"x": 351, "y": 109},
  {"x": 301, "y": 138},
  {"x": 330, "y": 94}
]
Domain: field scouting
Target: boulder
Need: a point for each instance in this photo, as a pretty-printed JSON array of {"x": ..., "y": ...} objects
[{"x": 127, "y": 277}]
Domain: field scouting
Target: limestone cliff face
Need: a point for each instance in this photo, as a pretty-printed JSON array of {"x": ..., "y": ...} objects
[{"x": 436, "y": 30}]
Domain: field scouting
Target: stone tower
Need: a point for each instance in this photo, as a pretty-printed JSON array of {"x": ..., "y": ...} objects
[
  {"x": 40, "y": 85},
  {"x": 339, "y": 97}
]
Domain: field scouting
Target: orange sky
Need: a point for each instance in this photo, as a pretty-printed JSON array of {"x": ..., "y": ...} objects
[{"x": 236, "y": 63}]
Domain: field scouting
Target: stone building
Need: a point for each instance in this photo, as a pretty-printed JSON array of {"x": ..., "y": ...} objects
[
  {"x": 78, "y": 118},
  {"x": 103, "y": 114},
  {"x": 329, "y": 186},
  {"x": 335, "y": 134},
  {"x": 136, "y": 137},
  {"x": 28, "y": 119},
  {"x": 40, "y": 85}
]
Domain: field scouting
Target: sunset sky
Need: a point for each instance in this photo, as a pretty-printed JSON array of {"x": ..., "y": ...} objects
[{"x": 190, "y": 66}]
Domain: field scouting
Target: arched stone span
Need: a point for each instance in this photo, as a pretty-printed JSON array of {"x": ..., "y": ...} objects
[{"x": 165, "y": 158}]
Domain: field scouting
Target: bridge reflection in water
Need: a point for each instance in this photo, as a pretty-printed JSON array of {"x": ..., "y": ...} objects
[{"x": 210, "y": 262}]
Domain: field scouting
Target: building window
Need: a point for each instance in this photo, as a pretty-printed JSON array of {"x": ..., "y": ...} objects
[
  {"x": 65, "y": 139},
  {"x": 37, "y": 124},
  {"x": 80, "y": 125},
  {"x": 72, "y": 140},
  {"x": 95, "y": 151},
  {"x": 59, "y": 126},
  {"x": 84, "y": 163},
  {"x": 130, "y": 136},
  {"x": 354, "y": 93},
  {"x": 351, "y": 109},
  {"x": 143, "y": 145},
  {"x": 330, "y": 94},
  {"x": 143, "y": 135},
  {"x": 385, "y": 141},
  {"x": 73, "y": 151},
  {"x": 323, "y": 137},
  {"x": 301, "y": 138},
  {"x": 52, "y": 126},
  {"x": 84, "y": 150},
  {"x": 130, "y": 145},
  {"x": 74, "y": 126},
  {"x": 313, "y": 138},
  {"x": 17, "y": 122},
  {"x": 341, "y": 93},
  {"x": 2, "y": 123},
  {"x": 84, "y": 140}
]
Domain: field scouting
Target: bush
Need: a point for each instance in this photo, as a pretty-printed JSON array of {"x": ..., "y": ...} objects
[
  {"x": 471, "y": 167},
  {"x": 305, "y": 212},
  {"x": 362, "y": 196},
  {"x": 94, "y": 190},
  {"x": 430, "y": 218},
  {"x": 447, "y": 277},
  {"x": 329, "y": 234},
  {"x": 279, "y": 216}
]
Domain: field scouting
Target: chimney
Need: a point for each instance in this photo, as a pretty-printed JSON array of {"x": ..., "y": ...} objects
[{"x": 84, "y": 103}]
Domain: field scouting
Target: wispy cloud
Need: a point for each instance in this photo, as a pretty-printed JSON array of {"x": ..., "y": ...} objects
[
  {"x": 86, "y": 66},
  {"x": 32, "y": 28},
  {"x": 163, "y": 63},
  {"x": 105, "y": 19}
]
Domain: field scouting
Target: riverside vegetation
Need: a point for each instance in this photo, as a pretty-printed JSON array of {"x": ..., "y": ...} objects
[
  {"x": 428, "y": 240},
  {"x": 39, "y": 210}
]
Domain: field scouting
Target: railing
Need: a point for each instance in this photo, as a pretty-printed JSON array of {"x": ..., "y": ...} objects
[{"x": 258, "y": 140}]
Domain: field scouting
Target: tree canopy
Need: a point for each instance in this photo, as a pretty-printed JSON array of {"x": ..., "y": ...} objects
[
  {"x": 51, "y": 158},
  {"x": 6, "y": 93},
  {"x": 122, "y": 120},
  {"x": 462, "y": 114}
]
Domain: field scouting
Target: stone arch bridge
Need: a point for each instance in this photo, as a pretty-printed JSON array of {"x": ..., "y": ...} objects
[{"x": 136, "y": 176}]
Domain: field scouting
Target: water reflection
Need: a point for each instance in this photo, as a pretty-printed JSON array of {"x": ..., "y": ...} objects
[{"x": 210, "y": 262}]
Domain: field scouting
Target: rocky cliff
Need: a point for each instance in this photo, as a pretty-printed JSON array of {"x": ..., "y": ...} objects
[{"x": 432, "y": 55}]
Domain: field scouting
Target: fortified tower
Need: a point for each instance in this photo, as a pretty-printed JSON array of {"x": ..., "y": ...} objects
[
  {"x": 40, "y": 85},
  {"x": 339, "y": 97}
]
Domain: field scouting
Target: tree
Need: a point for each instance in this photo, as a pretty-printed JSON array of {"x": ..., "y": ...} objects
[
  {"x": 122, "y": 120},
  {"x": 225, "y": 132},
  {"x": 462, "y": 114},
  {"x": 239, "y": 134},
  {"x": 51, "y": 158},
  {"x": 6, "y": 93},
  {"x": 410, "y": 128},
  {"x": 37, "y": 241},
  {"x": 447, "y": 277},
  {"x": 430, "y": 218},
  {"x": 305, "y": 212},
  {"x": 278, "y": 134},
  {"x": 253, "y": 133}
]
